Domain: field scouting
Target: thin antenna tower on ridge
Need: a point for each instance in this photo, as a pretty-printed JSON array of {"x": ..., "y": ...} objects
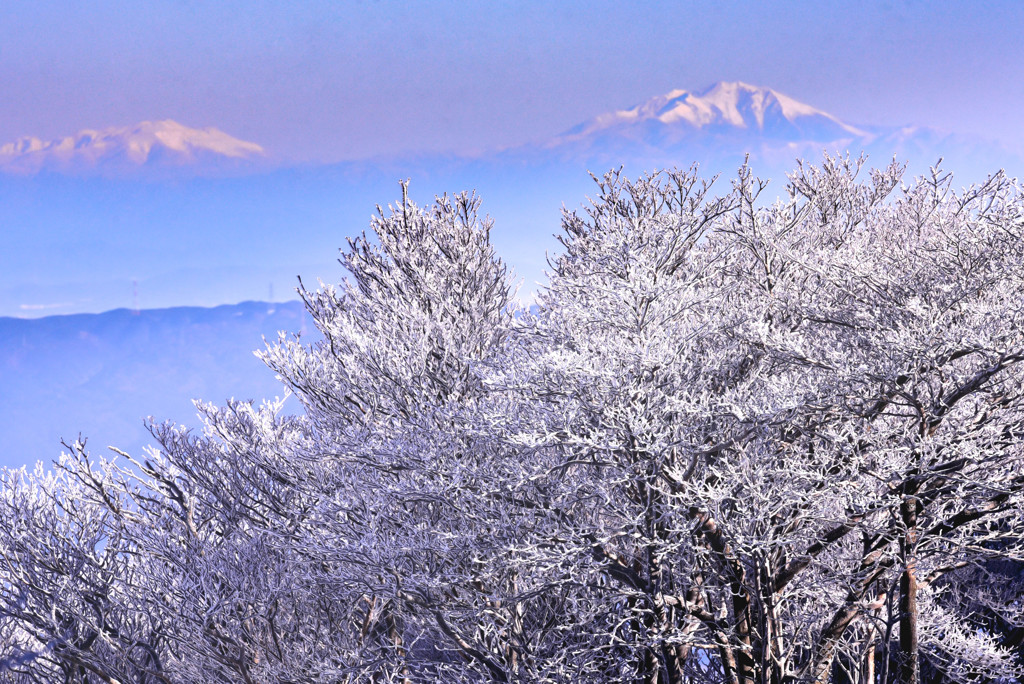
[{"x": 135, "y": 296}]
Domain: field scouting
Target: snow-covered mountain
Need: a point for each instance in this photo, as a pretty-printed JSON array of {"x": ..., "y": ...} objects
[
  {"x": 732, "y": 121},
  {"x": 724, "y": 107},
  {"x": 160, "y": 144},
  {"x": 728, "y": 118}
]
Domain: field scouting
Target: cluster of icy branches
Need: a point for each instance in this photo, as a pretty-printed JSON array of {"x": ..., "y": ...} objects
[{"x": 732, "y": 442}]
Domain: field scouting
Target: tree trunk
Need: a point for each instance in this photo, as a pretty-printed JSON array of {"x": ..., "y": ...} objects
[
  {"x": 395, "y": 636},
  {"x": 844, "y": 669},
  {"x": 868, "y": 669},
  {"x": 728, "y": 657},
  {"x": 909, "y": 662}
]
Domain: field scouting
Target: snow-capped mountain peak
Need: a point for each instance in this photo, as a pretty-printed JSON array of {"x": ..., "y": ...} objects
[
  {"x": 726, "y": 106},
  {"x": 149, "y": 143}
]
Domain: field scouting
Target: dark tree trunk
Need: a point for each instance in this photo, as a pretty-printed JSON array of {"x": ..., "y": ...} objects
[{"x": 909, "y": 671}]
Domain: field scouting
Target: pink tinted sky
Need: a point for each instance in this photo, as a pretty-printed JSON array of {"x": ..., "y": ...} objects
[{"x": 326, "y": 81}]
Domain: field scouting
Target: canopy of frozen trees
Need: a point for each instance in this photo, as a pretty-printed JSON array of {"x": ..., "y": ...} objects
[{"x": 733, "y": 441}]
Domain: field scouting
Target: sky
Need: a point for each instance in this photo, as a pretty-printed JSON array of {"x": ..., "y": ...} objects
[{"x": 317, "y": 81}]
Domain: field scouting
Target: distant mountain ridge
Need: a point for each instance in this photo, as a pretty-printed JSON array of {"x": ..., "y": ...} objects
[
  {"x": 146, "y": 144},
  {"x": 100, "y": 375}
]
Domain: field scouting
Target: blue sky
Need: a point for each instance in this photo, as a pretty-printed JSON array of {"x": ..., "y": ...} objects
[{"x": 326, "y": 81}]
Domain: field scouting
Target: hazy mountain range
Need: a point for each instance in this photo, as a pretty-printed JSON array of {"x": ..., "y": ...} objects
[
  {"x": 726, "y": 119},
  {"x": 196, "y": 216},
  {"x": 102, "y": 375}
]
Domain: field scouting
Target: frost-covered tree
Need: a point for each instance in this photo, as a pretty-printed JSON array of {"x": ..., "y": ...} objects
[
  {"x": 733, "y": 442},
  {"x": 404, "y": 528},
  {"x": 785, "y": 431},
  {"x": 66, "y": 610}
]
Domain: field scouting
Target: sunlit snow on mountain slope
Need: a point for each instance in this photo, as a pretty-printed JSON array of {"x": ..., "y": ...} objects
[
  {"x": 147, "y": 144},
  {"x": 725, "y": 107}
]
